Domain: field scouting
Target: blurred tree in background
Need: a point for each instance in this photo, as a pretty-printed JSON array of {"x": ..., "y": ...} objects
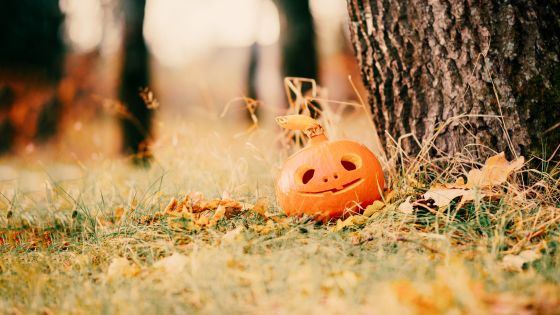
[
  {"x": 299, "y": 52},
  {"x": 32, "y": 55},
  {"x": 135, "y": 75}
]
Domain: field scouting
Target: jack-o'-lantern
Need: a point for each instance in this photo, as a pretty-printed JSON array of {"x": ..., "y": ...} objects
[{"x": 327, "y": 179}]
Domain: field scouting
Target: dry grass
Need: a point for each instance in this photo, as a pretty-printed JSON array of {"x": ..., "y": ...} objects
[{"x": 93, "y": 237}]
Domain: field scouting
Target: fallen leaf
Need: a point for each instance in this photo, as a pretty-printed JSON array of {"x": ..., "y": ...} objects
[
  {"x": 443, "y": 196},
  {"x": 261, "y": 206},
  {"x": 171, "y": 206},
  {"x": 494, "y": 172},
  {"x": 350, "y": 221},
  {"x": 373, "y": 208},
  {"x": 219, "y": 214},
  {"x": 406, "y": 206}
]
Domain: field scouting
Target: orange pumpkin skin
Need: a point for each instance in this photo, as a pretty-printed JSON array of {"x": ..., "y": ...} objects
[{"x": 328, "y": 179}]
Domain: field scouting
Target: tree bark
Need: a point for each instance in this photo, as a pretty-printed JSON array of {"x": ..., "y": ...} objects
[{"x": 427, "y": 61}]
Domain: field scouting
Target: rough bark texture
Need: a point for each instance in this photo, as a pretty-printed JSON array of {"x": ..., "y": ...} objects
[
  {"x": 135, "y": 75},
  {"x": 426, "y": 61}
]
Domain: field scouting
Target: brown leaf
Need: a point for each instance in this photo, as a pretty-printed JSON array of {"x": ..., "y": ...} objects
[
  {"x": 494, "y": 172},
  {"x": 171, "y": 206},
  {"x": 260, "y": 207}
]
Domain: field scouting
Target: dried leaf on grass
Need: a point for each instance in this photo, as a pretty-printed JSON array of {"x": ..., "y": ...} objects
[
  {"x": 495, "y": 171},
  {"x": 350, "y": 221},
  {"x": 406, "y": 207},
  {"x": 260, "y": 207},
  {"x": 198, "y": 211},
  {"x": 443, "y": 196},
  {"x": 373, "y": 208}
]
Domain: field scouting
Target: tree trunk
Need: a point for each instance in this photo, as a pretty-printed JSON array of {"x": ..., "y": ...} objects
[{"x": 427, "y": 61}]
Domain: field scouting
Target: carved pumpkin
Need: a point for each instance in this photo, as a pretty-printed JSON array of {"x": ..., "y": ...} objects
[{"x": 326, "y": 179}]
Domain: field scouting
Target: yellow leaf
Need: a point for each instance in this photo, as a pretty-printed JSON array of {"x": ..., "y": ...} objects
[
  {"x": 373, "y": 208},
  {"x": 359, "y": 219},
  {"x": 350, "y": 221},
  {"x": 296, "y": 122}
]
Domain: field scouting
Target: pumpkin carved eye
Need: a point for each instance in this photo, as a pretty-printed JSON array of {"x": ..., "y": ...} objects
[
  {"x": 307, "y": 176},
  {"x": 351, "y": 162}
]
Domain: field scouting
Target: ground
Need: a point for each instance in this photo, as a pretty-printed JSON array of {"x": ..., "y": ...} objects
[{"x": 200, "y": 231}]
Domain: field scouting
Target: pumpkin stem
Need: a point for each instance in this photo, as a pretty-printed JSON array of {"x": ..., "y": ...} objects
[
  {"x": 315, "y": 134},
  {"x": 310, "y": 127}
]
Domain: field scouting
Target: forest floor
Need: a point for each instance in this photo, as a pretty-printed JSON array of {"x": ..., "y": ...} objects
[{"x": 200, "y": 231}]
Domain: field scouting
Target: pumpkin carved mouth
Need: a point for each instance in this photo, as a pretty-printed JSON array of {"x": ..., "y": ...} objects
[{"x": 338, "y": 190}]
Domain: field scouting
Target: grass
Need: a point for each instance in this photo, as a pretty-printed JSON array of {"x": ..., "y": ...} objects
[{"x": 65, "y": 247}]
